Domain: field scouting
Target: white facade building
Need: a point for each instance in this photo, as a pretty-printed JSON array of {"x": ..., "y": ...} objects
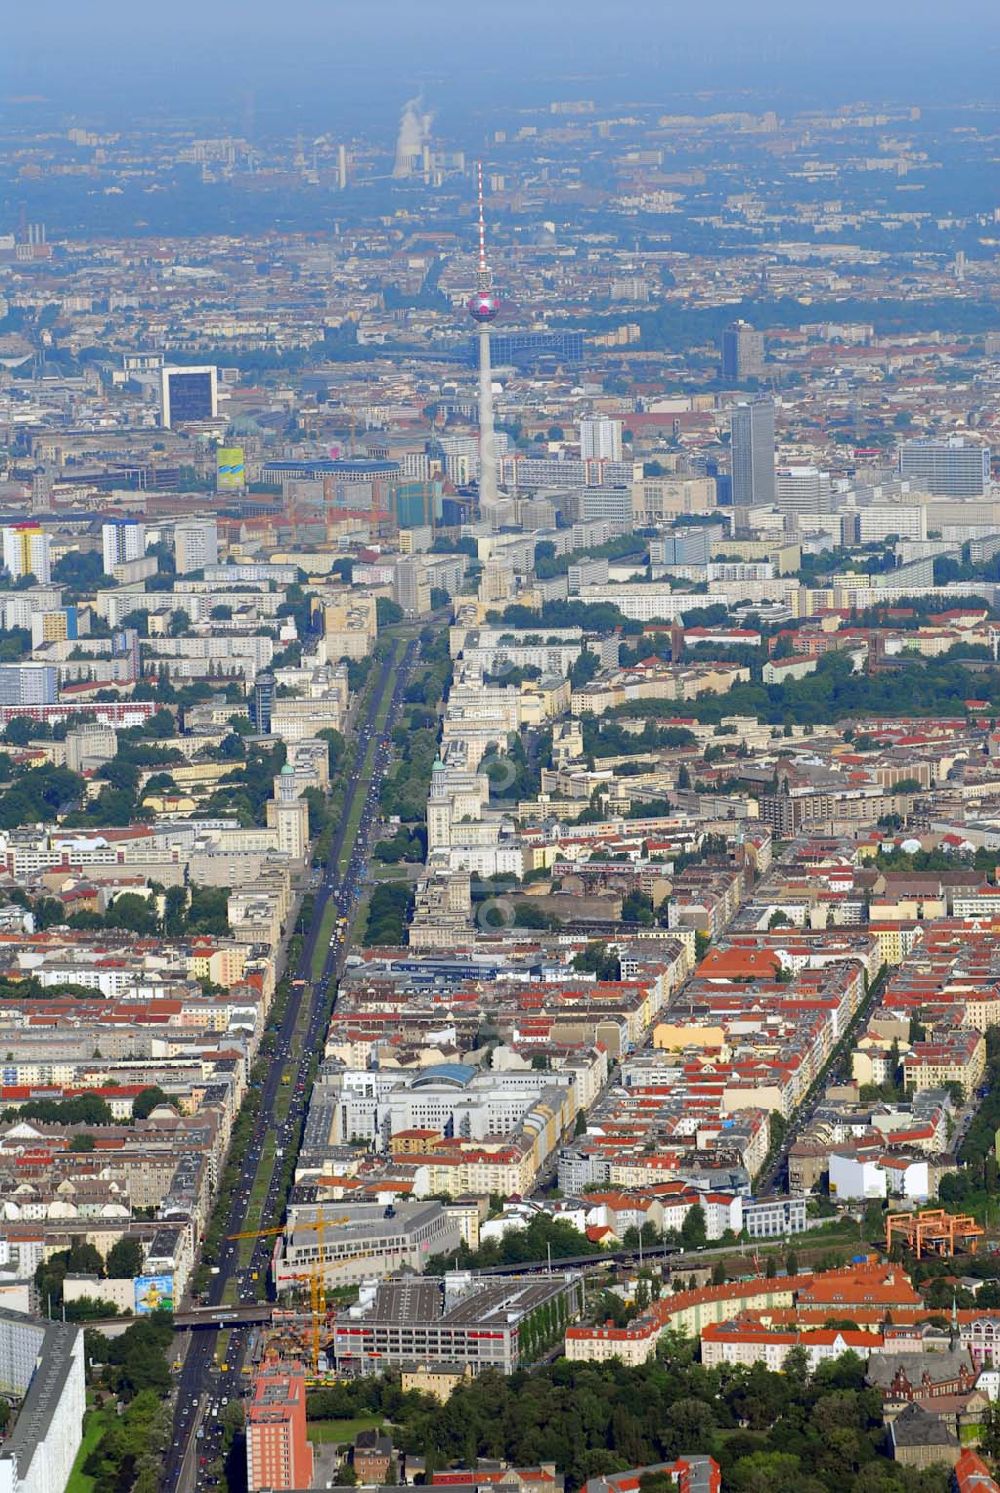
[
  {"x": 42, "y": 1364},
  {"x": 196, "y": 544},
  {"x": 26, "y": 551},
  {"x": 28, "y": 684},
  {"x": 121, "y": 541},
  {"x": 600, "y": 438}
]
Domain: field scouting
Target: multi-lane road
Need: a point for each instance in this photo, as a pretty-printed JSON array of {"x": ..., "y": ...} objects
[{"x": 204, "y": 1384}]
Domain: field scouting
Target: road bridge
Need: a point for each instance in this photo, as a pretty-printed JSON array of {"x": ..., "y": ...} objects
[{"x": 224, "y": 1316}]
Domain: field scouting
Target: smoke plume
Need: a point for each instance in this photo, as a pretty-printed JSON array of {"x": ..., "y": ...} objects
[{"x": 414, "y": 133}]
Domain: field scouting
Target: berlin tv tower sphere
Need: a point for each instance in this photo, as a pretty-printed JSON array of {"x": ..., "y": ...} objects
[{"x": 484, "y": 306}]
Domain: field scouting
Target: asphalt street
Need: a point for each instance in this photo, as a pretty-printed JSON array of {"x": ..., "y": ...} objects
[{"x": 206, "y": 1387}]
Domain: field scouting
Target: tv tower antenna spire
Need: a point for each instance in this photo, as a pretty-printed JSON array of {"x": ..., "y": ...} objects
[
  {"x": 483, "y": 266},
  {"x": 483, "y": 307}
]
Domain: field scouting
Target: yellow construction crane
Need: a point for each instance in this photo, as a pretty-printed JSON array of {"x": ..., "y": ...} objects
[{"x": 316, "y": 1276}]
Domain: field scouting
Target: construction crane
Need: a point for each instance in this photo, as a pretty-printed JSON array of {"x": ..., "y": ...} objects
[
  {"x": 316, "y": 1276},
  {"x": 317, "y": 1308},
  {"x": 318, "y": 1225}
]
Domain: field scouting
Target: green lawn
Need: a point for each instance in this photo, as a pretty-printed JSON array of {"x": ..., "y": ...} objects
[
  {"x": 258, "y": 1194},
  {"x": 357, "y": 807},
  {"x": 94, "y": 1426},
  {"x": 327, "y": 922},
  {"x": 341, "y": 1430},
  {"x": 283, "y": 1102},
  {"x": 382, "y": 714},
  {"x": 368, "y": 765},
  {"x": 359, "y": 921}
]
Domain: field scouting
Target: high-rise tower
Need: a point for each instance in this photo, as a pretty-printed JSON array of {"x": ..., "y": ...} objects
[
  {"x": 483, "y": 306},
  {"x": 753, "y": 453}
]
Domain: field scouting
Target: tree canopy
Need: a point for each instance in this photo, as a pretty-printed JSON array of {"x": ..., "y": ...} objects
[{"x": 770, "y": 1433}]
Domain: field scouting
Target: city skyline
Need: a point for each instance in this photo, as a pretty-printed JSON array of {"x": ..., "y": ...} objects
[{"x": 500, "y": 747}]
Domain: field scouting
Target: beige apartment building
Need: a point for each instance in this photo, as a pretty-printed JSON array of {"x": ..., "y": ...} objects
[
  {"x": 350, "y": 626},
  {"x": 660, "y": 499}
]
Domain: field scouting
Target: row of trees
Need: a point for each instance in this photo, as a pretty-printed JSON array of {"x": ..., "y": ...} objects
[
  {"x": 608, "y": 738},
  {"x": 549, "y": 564},
  {"x": 431, "y": 680},
  {"x": 84, "y": 1109},
  {"x": 793, "y": 1432},
  {"x": 919, "y": 687},
  {"x": 134, "y": 1369},
  {"x": 388, "y": 914},
  {"x": 407, "y": 783},
  {"x": 596, "y": 616},
  {"x": 186, "y": 910},
  {"x": 977, "y": 1185},
  {"x": 542, "y": 1237},
  {"x": 405, "y": 845}
]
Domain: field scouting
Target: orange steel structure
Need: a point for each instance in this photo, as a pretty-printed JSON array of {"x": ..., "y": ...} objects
[{"x": 933, "y": 1232}]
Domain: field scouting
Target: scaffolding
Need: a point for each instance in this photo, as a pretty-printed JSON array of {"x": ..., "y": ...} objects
[{"x": 932, "y": 1231}]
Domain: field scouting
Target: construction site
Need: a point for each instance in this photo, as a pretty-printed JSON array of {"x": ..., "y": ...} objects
[{"x": 932, "y": 1231}]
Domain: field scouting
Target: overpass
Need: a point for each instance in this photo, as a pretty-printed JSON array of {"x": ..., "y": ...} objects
[{"x": 223, "y": 1316}]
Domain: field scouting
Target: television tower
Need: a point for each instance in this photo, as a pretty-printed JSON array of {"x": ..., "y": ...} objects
[{"x": 483, "y": 307}]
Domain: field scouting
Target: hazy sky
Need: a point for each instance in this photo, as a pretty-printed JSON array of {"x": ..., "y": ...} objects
[{"x": 123, "y": 54}]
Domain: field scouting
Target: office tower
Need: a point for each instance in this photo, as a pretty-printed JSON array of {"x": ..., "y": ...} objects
[
  {"x": 196, "y": 544},
  {"x": 122, "y": 540},
  {"x": 278, "y": 1450},
  {"x": 483, "y": 307},
  {"x": 753, "y": 453},
  {"x": 288, "y": 814},
  {"x": 742, "y": 351},
  {"x": 89, "y": 747},
  {"x": 26, "y": 551},
  {"x": 412, "y": 587},
  {"x": 536, "y": 513},
  {"x": 188, "y": 394},
  {"x": 262, "y": 702},
  {"x": 658, "y": 500},
  {"x": 805, "y": 490},
  {"x": 291, "y": 821},
  {"x": 28, "y": 684},
  {"x": 600, "y": 438},
  {"x": 954, "y": 468}
]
